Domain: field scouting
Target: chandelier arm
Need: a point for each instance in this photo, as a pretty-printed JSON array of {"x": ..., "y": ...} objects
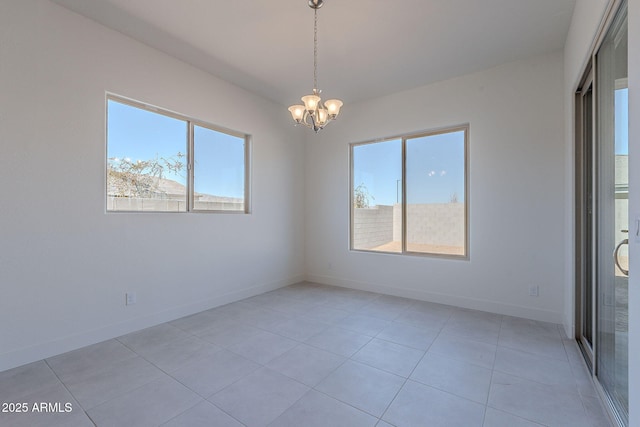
[
  {"x": 313, "y": 116},
  {"x": 313, "y": 124},
  {"x": 306, "y": 122}
]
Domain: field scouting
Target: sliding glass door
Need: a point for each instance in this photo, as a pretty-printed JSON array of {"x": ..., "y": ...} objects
[
  {"x": 612, "y": 195},
  {"x": 602, "y": 195}
]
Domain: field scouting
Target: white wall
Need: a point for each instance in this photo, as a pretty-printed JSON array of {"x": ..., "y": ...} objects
[
  {"x": 62, "y": 258},
  {"x": 634, "y": 211},
  {"x": 517, "y": 192}
]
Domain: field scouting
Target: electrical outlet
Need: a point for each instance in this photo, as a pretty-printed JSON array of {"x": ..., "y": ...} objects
[
  {"x": 534, "y": 291},
  {"x": 130, "y": 298}
]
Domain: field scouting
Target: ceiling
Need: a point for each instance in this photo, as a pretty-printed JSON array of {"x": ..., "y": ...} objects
[{"x": 367, "y": 48}]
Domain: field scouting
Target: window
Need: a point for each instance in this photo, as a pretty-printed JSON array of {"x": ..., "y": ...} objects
[
  {"x": 158, "y": 161},
  {"x": 409, "y": 194}
]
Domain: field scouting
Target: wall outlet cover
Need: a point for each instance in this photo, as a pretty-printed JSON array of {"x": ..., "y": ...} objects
[{"x": 131, "y": 298}]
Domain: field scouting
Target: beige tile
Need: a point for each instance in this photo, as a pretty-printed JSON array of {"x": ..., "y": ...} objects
[
  {"x": 263, "y": 347},
  {"x": 339, "y": 341},
  {"x": 298, "y": 328},
  {"x": 474, "y": 325},
  {"x": 326, "y": 314},
  {"x": 306, "y": 364},
  {"x": 150, "y": 405},
  {"x": 540, "y": 369},
  {"x": 424, "y": 317},
  {"x": 368, "y": 389},
  {"x": 520, "y": 326},
  {"x": 262, "y": 317},
  {"x": 84, "y": 361},
  {"x": 199, "y": 322},
  {"x": 180, "y": 352},
  {"x": 541, "y": 403},
  {"x": 152, "y": 338},
  {"x": 49, "y": 406},
  {"x": 527, "y": 371},
  {"x": 24, "y": 380},
  {"x": 419, "y": 338},
  {"x": 319, "y": 410},
  {"x": 260, "y": 397},
  {"x": 537, "y": 344},
  {"x": 418, "y": 405},
  {"x": 365, "y": 325},
  {"x": 204, "y": 414},
  {"x": 454, "y": 376},
  {"x": 210, "y": 375},
  {"x": 596, "y": 413},
  {"x": 384, "y": 309},
  {"x": 495, "y": 418},
  {"x": 112, "y": 381},
  {"x": 464, "y": 349},
  {"x": 231, "y": 333},
  {"x": 391, "y": 357}
]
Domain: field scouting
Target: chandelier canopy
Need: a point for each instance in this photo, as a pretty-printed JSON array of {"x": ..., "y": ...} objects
[{"x": 314, "y": 114}]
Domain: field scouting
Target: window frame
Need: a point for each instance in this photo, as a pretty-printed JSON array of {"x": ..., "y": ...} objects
[
  {"x": 403, "y": 138},
  {"x": 189, "y": 155}
]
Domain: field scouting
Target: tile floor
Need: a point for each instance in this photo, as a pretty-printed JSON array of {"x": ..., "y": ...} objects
[{"x": 311, "y": 355}]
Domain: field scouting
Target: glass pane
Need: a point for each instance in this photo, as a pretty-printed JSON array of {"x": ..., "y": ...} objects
[
  {"x": 612, "y": 210},
  {"x": 146, "y": 164},
  {"x": 218, "y": 171},
  {"x": 377, "y": 196},
  {"x": 435, "y": 174}
]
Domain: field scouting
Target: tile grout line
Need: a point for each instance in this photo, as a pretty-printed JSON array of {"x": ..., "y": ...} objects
[
  {"x": 69, "y": 391},
  {"x": 355, "y": 309},
  {"x": 346, "y": 359},
  {"x": 414, "y": 368},
  {"x": 168, "y": 374},
  {"x": 493, "y": 369},
  {"x": 313, "y": 388},
  {"x": 517, "y": 376},
  {"x": 299, "y": 343}
]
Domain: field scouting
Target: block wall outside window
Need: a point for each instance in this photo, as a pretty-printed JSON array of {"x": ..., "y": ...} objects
[{"x": 409, "y": 194}]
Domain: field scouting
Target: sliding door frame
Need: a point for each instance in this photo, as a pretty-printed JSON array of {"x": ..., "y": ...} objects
[
  {"x": 582, "y": 260},
  {"x": 584, "y": 223}
]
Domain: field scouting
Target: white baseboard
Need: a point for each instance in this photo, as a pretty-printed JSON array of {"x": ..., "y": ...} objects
[
  {"x": 44, "y": 350},
  {"x": 458, "y": 301},
  {"x": 569, "y": 328}
]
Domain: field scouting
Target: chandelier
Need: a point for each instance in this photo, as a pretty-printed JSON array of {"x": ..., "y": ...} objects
[{"x": 314, "y": 114}]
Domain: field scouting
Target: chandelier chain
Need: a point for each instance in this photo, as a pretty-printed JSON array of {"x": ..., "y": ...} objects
[
  {"x": 315, "y": 49},
  {"x": 315, "y": 114}
]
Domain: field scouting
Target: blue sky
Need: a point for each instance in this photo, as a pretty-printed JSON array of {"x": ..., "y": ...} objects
[
  {"x": 138, "y": 134},
  {"x": 622, "y": 121},
  {"x": 435, "y": 169},
  {"x": 219, "y": 163}
]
